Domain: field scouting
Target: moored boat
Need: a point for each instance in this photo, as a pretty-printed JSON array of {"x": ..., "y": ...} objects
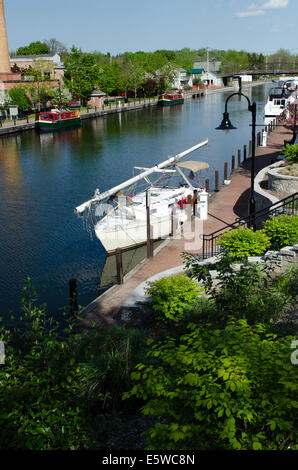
[
  {"x": 119, "y": 220},
  {"x": 277, "y": 101},
  {"x": 57, "y": 119},
  {"x": 170, "y": 99}
]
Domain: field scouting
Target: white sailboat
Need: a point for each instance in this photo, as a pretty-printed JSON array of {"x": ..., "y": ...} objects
[{"x": 122, "y": 219}]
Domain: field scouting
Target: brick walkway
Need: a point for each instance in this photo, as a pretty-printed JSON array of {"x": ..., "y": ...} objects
[{"x": 224, "y": 206}]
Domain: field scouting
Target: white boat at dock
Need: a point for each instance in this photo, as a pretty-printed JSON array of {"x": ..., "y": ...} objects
[
  {"x": 120, "y": 220},
  {"x": 277, "y": 101}
]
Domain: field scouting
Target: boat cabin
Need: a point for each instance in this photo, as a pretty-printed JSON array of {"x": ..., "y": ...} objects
[
  {"x": 57, "y": 116},
  {"x": 170, "y": 96}
]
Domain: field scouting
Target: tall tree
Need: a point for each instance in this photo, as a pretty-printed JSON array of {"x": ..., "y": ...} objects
[
  {"x": 40, "y": 91},
  {"x": 134, "y": 75},
  {"x": 34, "y": 48},
  {"x": 56, "y": 47},
  {"x": 112, "y": 79},
  {"x": 20, "y": 98},
  {"x": 82, "y": 74}
]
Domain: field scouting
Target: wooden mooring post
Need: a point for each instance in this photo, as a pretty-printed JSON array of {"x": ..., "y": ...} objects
[
  {"x": 249, "y": 151},
  {"x": 216, "y": 180},
  {"x": 207, "y": 185},
  {"x": 119, "y": 266},
  {"x": 233, "y": 163},
  {"x": 225, "y": 170},
  {"x": 149, "y": 235},
  {"x": 73, "y": 298},
  {"x": 195, "y": 202},
  {"x": 239, "y": 157},
  {"x": 244, "y": 153}
]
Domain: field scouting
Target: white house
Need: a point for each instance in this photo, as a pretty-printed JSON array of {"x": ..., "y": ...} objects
[
  {"x": 211, "y": 79},
  {"x": 246, "y": 78},
  {"x": 182, "y": 79}
]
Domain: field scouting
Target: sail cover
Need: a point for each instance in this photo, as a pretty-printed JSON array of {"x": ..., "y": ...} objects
[{"x": 193, "y": 165}]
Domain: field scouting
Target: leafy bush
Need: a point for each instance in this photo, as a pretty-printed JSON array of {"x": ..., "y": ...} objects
[
  {"x": 57, "y": 387},
  {"x": 246, "y": 293},
  {"x": 41, "y": 403},
  {"x": 282, "y": 230},
  {"x": 220, "y": 389},
  {"x": 107, "y": 375},
  {"x": 170, "y": 296},
  {"x": 243, "y": 242},
  {"x": 291, "y": 153},
  {"x": 287, "y": 282}
]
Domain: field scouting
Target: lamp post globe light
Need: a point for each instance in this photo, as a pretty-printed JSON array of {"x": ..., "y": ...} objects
[{"x": 226, "y": 126}]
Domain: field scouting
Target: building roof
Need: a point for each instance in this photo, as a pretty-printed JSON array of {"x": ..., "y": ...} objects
[
  {"x": 213, "y": 66},
  {"x": 206, "y": 74},
  {"x": 98, "y": 93},
  {"x": 42, "y": 56},
  {"x": 196, "y": 70}
]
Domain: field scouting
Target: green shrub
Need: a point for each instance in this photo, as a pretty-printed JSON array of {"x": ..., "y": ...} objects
[
  {"x": 220, "y": 389},
  {"x": 291, "y": 153},
  {"x": 203, "y": 310},
  {"x": 40, "y": 393},
  {"x": 282, "y": 230},
  {"x": 171, "y": 295},
  {"x": 243, "y": 242},
  {"x": 107, "y": 376},
  {"x": 287, "y": 282},
  {"x": 247, "y": 293}
]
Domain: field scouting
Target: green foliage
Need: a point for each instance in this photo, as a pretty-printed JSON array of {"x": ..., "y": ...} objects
[
  {"x": 41, "y": 402},
  {"x": 282, "y": 230},
  {"x": 107, "y": 375},
  {"x": 81, "y": 74},
  {"x": 247, "y": 293},
  {"x": 235, "y": 60},
  {"x": 34, "y": 48},
  {"x": 111, "y": 79},
  {"x": 220, "y": 389},
  {"x": 19, "y": 97},
  {"x": 58, "y": 386},
  {"x": 291, "y": 153},
  {"x": 287, "y": 282},
  {"x": 243, "y": 242},
  {"x": 171, "y": 295}
]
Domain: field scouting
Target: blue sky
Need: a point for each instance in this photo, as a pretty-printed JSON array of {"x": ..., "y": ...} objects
[{"x": 129, "y": 25}]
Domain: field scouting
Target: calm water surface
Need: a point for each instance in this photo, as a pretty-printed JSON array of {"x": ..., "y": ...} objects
[{"x": 43, "y": 177}]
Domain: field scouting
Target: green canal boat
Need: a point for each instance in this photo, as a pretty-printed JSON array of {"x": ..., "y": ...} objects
[
  {"x": 56, "y": 120},
  {"x": 170, "y": 99}
]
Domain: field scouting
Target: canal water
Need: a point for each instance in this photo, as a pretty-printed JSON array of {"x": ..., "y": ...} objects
[{"x": 44, "y": 176}]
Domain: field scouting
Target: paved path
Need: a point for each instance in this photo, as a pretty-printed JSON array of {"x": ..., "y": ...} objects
[{"x": 224, "y": 206}]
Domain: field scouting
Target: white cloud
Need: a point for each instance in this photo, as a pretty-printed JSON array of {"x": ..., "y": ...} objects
[
  {"x": 275, "y": 4},
  {"x": 243, "y": 14},
  {"x": 254, "y": 10}
]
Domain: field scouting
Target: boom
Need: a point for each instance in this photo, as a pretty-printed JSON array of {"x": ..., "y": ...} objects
[{"x": 100, "y": 196}]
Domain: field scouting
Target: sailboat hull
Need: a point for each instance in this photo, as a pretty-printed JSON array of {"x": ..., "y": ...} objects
[{"x": 135, "y": 233}]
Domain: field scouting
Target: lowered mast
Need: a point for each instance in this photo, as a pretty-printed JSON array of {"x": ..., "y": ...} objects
[{"x": 100, "y": 196}]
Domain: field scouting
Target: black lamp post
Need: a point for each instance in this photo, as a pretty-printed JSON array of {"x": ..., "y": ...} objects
[{"x": 227, "y": 126}]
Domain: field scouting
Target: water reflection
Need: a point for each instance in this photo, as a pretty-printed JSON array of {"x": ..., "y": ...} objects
[{"x": 44, "y": 176}]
